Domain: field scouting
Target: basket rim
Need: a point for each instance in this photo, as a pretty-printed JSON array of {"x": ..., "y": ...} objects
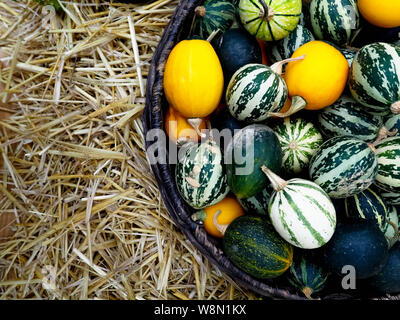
[{"x": 177, "y": 209}]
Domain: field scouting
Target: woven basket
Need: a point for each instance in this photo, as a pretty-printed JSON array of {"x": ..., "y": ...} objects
[{"x": 180, "y": 212}]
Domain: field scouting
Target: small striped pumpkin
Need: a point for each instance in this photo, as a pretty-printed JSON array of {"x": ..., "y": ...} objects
[
  {"x": 270, "y": 20},
  {"x": 200, "y": 176},
  {"x": 334, "y": 20},
  {"x": 393, "y": 123},
  {"x": 284, "y": 49},
  {"x": 374, "y": 78},
  {"x": 213, "y": 15},
  {"x": 301, "y": 212},
  {"x": 344, "y": 166},
  {"x": 258, "y": 203},
  {"x": 254, "y": 91},
  {"x": 388, "y": 155},
  {"x": 299, "y": 140},
  {"x": 346, "y": 117},
  {"x": 367, "y": 204}
]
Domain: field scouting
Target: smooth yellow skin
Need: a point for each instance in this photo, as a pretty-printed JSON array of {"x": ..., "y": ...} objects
[
  {"x": 320, "y": 78},
  {"x": 381, "y": 13},
  {"x": 230, "y": 210},
  {"x": 193, "y": 78}
]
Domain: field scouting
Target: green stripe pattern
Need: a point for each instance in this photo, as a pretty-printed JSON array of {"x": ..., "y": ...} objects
[
  {"x": 286, "y": 16},
  {"x": 388, "y": 155},
  {"x": 349, "y": 55},
  {"x": 218, "y": 15},
  {"x": 259, "y": 203},
  {"x": 344, "y": 166},
  {"x": 303, "y": 214},
  {"x": 255, "y": 90},
  {"x": 334, "y": 20},
  {"x": 393, "y": 123},
  {"x": 391, "y": 198},
  {"x": 369, "y": 205},
  {"x": 346, "y": 117},
  {"x": 200, "y": 176},
  {"x": 284, "y": 49},
  {"x": 299, "y": 140},
  {"x": 374, "y": 78},
  {"x": 393, "y": 217}
]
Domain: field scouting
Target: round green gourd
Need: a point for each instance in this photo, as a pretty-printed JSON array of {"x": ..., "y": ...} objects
[
  {"x": 358, "y": 243},
  {"x": 253, "y": 246},
  {"x": 213, "y": 15},
  {"x": 344, "y": 166},
  {"x": 254, "y": 91},
  {"x": 307, "y": 277},
  {"x": 258, "y": 203},
  {"x": 388, "y": 279},
  {"x": 299, "y": 140},
  {"x": 368, "y": 204},
  {"x": 374, "y": 78},
  {"x": 200, "y": 176},
  {"x": 284, "y": 49},
  {"x": 301, "y": 212},
  {"x": 346, "y": 117},
  {"x": 334, "y": 20},
  {"x": 251, "y": 148},
  {"x": 270, "y": 20},
  {"x": 388, "y": 155}
]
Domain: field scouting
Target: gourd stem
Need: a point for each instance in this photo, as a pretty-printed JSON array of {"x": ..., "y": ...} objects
[
  {"x": 213, "y": 34},
  {"x": 308, "y": 292},
  {"x": 277, "y": 67},
  {"x": 199, "y": 216},
  {"x": 220, "y": 227},
  {"x": 200, "y": 11},
  {"x": 277, "y": 182},
  {"x": 383, "y": 134},
  {"x": 182, "y": 141},
  {"x": 298, "y": 103},
  {"x": 395, "y": 107},
  {"x": 195, "y": 123},
  {"x": 266, "y": 13},
  {"x": 209, "y": 127},
  {"x": 396, "y": 236}
]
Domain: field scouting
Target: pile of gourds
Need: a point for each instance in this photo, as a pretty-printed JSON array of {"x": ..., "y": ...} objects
[{"x": 309, "y": 94}]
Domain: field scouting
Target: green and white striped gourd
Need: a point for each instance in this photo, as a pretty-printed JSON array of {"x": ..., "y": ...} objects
[
  {"x": 200, "y": 176},
  {"x": 299, "y": 140},
  {"x": 270, "y": 20},
  {"x": 284, "y": 49},
  {"x": 346, "y": 117},
  {"x": 213, "y": 15},
  {"x": 374, "y": 78},
  {"x": 393, "y": 219},
  {"x": 258, "y": 203},
  {"x": 391, "y": 198},
  {"x": 344, "y": 166},
  {"x": 254, "y": 91},
  {"x": 392, "y": 123},
  {"x": 369, "y": 205},
  {"x": 388, "y": 155},
  {"x": 334, "y": 20},
  {"x": 301, "y": 212}
]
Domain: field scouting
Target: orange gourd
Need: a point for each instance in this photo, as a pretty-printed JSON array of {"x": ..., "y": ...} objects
[
  {"x": 228, "y": 209},
  {"x": 382, "y": 13},
  {"x": 178, "y": 129},
  {"x": 193, "y": 78}
]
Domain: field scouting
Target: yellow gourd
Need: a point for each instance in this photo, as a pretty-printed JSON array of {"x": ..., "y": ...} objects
[
  {"x": 179, "y": 130},
  {"x": 227, "y": 210},
  {"x": 381, "y": 13},
  {"x": 193, "y": 78},
  {"x": 318, "y": 80}
]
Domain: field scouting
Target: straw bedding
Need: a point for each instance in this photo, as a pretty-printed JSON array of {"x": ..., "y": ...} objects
[{"x": 80, "y": 213}]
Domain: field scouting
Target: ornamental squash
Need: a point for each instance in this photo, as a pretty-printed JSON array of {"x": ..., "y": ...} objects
[
  {"x": 178, "y": 129},
  {"x": 382, "y": 13},
  {"x": 301, "y": 212},
  {"x": 323, "y": 73},
  {"x": 374, "y": 79},
  {"x": 392, "y": 124},
  {"x": 335, "y": 20},
  {"x": 270, "y": 20},
  {"x": 193, "y": 78},
  {"x": 391, "y": 232},
  {"x": 228, "y": 209},
  {"x": 213, "y": 15},
  {"x": 252, "y": 244},
  {"x": 259, "y": 203}
]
